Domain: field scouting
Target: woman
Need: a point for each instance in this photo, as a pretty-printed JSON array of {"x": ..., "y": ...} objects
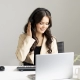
[{"x": 37, "y": 37}]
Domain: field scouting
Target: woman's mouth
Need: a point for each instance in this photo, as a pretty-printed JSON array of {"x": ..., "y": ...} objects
[{"x": 42, "y": 29}]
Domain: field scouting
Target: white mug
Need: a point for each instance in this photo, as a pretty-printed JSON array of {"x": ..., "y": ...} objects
[{"x": 77, "y": 72}]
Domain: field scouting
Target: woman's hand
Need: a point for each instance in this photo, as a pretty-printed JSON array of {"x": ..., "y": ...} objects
[{"x": 29, "y": 32}]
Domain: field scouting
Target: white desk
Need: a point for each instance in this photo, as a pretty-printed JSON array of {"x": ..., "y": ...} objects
[{"x": 11, "y": 73}]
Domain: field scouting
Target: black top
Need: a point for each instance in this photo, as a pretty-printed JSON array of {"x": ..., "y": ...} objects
[{"x": 36, "y": 51}]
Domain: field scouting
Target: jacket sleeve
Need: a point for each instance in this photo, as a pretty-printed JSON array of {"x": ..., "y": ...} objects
[
  {"x": 24, "y": 45},
  {"x": 54, "y": 46}
]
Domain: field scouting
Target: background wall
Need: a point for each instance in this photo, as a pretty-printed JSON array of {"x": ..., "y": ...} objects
[{"x": 14, "y": 15}]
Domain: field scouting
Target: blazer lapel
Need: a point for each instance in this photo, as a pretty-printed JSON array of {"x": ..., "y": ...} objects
[{"x": 43, "y": 48}]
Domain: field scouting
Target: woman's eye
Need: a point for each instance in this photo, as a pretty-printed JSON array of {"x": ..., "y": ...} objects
[
  {"x": 41, "y": 23},
  {"x": 47, "y": 23}
]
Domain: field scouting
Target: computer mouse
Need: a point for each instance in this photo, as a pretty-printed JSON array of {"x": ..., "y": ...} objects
[{"x": 2, "y": 68}]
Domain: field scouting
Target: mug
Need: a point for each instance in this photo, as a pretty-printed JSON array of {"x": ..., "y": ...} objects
[{"x": 77, "y": 72}]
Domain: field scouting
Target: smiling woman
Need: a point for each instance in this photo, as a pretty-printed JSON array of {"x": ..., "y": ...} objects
[
  {"x": 43, "y": 25},
  {"x": 37, "y": 37}
]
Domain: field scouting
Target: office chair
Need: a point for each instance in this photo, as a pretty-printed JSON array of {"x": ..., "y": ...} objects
[{"x": 60, "y": 47}]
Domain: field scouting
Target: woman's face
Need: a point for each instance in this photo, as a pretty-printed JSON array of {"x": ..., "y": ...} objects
[{"x": 43, "y": 25}]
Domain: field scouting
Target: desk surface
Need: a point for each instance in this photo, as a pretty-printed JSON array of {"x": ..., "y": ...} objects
[{"x": 11, "y": 73}]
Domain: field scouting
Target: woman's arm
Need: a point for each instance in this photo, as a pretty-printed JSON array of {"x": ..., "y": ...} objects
[{"x": 24, "y": 44}]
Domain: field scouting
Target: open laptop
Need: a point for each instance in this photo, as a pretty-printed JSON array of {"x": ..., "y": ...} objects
[{"x": 54, "y": 66}]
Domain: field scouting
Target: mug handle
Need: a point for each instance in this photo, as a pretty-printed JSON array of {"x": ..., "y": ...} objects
[{"x": 76, "y": 70}]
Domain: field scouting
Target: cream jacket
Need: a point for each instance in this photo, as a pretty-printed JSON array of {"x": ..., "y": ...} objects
[{"x": 24, "y": 44}]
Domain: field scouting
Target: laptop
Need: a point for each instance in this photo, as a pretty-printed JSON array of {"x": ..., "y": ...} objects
[{"x": 54, "y": 66}]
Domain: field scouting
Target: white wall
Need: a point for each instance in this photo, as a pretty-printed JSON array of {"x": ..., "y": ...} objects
[
  {"x": 14, "y": 15},
  {"x": 66, "y": 22}
]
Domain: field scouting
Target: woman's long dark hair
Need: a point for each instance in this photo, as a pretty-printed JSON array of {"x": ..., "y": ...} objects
[{"x": 35, "y": 18}]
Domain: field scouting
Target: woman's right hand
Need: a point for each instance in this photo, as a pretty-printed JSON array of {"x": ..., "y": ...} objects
[{"x": 29, "y": 32}]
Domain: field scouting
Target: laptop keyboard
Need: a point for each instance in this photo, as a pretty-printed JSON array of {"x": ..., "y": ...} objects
[{"x": 26, "y": 68}]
